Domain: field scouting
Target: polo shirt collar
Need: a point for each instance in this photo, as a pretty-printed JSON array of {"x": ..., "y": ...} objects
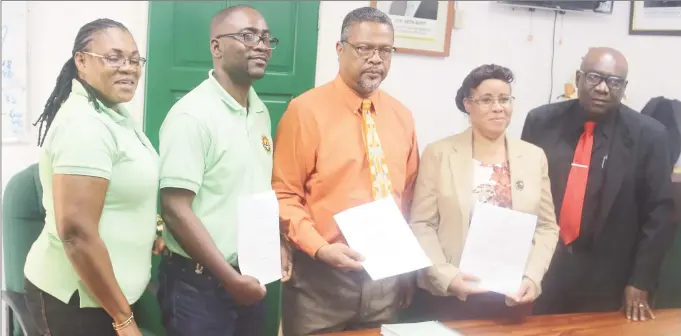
[
  {"x": 254, "y": 103},
  {"x": 118, "y": 113},
  {"x": 352, "y": 101}
]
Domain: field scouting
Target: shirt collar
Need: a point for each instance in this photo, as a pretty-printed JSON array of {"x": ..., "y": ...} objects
[
  {"x": 603, "y": 125},
  {"x": 352, "y": 101},
  {"x": 118, "y": 113},
  {"x": 254, "y": 103}
]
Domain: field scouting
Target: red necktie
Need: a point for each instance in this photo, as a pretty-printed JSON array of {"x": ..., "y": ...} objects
[{"x": 573, "y": 201}]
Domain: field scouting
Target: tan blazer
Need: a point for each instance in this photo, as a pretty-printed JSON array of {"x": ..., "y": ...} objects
[{"x": 443, "y": 198}]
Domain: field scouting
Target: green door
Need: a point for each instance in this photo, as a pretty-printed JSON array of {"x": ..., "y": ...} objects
[{"x": 179, "y": 59}]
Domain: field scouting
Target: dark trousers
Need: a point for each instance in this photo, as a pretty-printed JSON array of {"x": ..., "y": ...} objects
[
  {"x": 55, "y": 318},
  {"x": 485, "y": 306},
  {"x": 193, "y": 302},
  {"x": 578, "y": 282}
]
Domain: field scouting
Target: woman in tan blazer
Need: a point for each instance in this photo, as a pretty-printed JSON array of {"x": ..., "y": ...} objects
[{"x": 480, "y": 164}]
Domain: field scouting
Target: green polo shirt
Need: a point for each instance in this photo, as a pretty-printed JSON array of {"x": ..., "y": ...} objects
[
  {"x": 221, "y": 151},
  {"x": 106, "y": 144}
]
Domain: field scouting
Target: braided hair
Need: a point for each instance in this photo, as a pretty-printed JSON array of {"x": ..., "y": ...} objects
[{"x": 68, "y": 73}]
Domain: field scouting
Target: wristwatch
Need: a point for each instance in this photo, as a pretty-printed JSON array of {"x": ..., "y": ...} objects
[{"x": 159, "y": 225}]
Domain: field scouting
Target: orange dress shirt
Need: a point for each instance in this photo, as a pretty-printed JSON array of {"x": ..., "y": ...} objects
[{"x": 321, "y": 166}]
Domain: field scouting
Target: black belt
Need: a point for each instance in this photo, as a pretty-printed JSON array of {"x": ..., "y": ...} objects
[{"x": 185, "y": 264}]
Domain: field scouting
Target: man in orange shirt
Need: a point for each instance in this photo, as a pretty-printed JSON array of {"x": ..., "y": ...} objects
[{"x": 338, "y": 146}]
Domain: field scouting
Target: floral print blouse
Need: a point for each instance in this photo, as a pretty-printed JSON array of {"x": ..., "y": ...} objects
[{"x": 492, "y": 184}]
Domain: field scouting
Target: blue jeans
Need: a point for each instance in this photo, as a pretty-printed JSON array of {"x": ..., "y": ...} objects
[{"x": 193, "y": 302}]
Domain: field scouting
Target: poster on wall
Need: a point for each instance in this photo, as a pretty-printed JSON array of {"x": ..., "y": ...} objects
[
  {"x": 655, "y": 17},
  {"x": 14, "y": 59},
  {"x": 421, "y": 27}
]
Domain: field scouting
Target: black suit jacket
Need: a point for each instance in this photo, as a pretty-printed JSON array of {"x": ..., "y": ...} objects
[{"x": 633, "y": 226}]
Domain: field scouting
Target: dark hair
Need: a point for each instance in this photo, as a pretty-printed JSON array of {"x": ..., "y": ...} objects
[
  {"x": 225, "y": 13},
  {"x": 479, "y": 75},
  {"x": 363, "y": 14},
  {"x": 69, "y": 72}
]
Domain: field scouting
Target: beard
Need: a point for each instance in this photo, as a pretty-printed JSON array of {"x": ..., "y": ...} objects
[{"x": 368, "y": 85}]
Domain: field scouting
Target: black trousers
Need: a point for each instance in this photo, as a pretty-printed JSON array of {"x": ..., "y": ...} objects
[{"x": 55, "y": 318}]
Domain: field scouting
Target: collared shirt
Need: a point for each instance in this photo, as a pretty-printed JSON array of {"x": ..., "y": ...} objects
[
  {"x": 603, "y": 135},
  {"x": 221, "y": 151},
  {"x": 320, "y": 162},
  {"x": 105, "y": 143}
]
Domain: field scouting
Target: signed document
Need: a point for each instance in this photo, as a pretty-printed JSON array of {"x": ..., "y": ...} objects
[
  {"x": 258, "y": 242},
  {"x": 497, "y": 247},
  {"x": 379, "y": 232}
]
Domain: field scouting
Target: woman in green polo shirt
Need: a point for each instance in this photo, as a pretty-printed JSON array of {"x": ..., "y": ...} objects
[{"x": 100, "y": 178}]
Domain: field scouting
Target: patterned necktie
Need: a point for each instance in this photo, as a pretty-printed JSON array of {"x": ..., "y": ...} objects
[
  {"x": 380, "y": 178},
  {"x": 573, "y": 201}
]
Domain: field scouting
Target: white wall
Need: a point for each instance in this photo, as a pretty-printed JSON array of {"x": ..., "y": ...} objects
[{"x": 427, "y": 85}]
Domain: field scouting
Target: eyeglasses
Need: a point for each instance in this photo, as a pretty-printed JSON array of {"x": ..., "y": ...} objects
[
  {"x": 489, "y": 101},
  {"x": 595, "y": 79},
  {"x": 117, "y": 61},
  {"x": 252, "y": 39},
  {"x": 366, "y": 52}
]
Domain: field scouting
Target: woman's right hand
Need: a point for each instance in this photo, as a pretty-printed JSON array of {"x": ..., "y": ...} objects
[
  {"x": 461, "y": 289},
  {"x": 131, "y": 330}
]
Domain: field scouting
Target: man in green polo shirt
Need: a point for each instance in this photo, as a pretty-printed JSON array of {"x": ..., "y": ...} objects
[{"x": 215, "y": 147}]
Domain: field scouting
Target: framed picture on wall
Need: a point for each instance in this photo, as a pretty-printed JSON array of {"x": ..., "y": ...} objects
[
  {"x": 655, "y": 17},
  {"x": 421, "y": 27}
]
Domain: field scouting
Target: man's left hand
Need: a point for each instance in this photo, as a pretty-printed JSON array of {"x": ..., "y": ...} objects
[
  {"x": 159, "y": 246},
  {"x": 636, "y": 304},
  {"x": 286, "y": 262},
  {"x": 407, "y": 286}
]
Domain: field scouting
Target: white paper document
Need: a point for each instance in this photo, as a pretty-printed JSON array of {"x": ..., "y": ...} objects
[
  {"x": 258, "y": 244},
  {"x": 379, "y": 232},
  {"x": 431, "y": 328},
  {"x": 497, "y": 247}
]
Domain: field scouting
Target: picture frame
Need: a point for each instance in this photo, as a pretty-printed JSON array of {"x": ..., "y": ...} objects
[
  {"x": 655, "y": 18},
  {"x": 421, "y": 28}
]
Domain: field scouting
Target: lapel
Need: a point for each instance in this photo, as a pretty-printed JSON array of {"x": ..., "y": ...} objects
[
  {"x": 619, "y": 159},
  {"x": 555, "y": 131},
  {"x": 519, "y": 177},
  {"x": 461, "y": 165}
]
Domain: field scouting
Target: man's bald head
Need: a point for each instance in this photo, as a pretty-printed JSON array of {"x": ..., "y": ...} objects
[
  {"x": 601, "y": 81},
  {"x": 239, "y": 44},
  {"x": 606, "y": 56},
  {"x": 226, "y": 14}
]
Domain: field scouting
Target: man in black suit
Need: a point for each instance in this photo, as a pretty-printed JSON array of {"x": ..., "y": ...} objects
[{"x": 615, "y": 229}]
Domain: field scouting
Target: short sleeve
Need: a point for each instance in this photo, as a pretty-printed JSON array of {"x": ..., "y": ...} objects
[
  {"x": 82, "y": 146},
  {"x": 183, "y": 145}
]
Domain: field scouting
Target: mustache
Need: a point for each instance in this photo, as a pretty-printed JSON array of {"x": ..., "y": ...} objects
[{"x": 374, "y": 70}]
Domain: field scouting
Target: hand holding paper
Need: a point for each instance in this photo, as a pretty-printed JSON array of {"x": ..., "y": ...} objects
[
  {"x": 258, "y": 243},
  {"x": 497, "y": 247},
  {"x": 379, "y": 233},
  {"x": 340, "y": 256}
]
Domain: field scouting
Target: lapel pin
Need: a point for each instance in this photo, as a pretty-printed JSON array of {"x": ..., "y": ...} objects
[
  {"x": 266, "y": 144},
  {"x": 520, "y": 185}
]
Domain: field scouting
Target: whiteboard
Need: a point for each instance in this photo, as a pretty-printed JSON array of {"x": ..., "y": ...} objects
[{"x": 15, "y": 121}]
